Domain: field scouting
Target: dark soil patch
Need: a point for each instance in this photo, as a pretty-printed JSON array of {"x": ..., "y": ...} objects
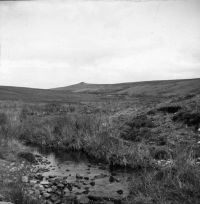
[
  {"x": 190, "y": 119},
  {"x": 169, "y": 109},
  {"x": 27, "y": 156}
]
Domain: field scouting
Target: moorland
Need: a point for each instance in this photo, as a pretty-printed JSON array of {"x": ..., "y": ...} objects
[{"x": 151, "y": 128}]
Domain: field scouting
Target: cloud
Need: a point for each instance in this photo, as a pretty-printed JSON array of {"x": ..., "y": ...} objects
[{"x": 55, "y": 43}]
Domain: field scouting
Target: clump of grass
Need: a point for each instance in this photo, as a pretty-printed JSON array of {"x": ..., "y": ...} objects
[
  {"x": 160, "y": 152},
  {"x": 28, "y": 156},
  {"x": 189, "y": 118},
  {"x": 18, "y": 195},
  {"x": 177, "y": 184},
  {"x": 137, "y": 129},
  {"x": 89, "y": 133},
  {"x": 3, "y": 119}
]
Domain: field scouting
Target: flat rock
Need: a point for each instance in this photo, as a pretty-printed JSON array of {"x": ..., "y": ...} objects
[{"x": 44, "y": 183}]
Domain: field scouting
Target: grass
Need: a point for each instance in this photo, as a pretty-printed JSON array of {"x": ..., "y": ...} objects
[
  {"x": 120, "y": 134},
  {"x": 175, "y": 184}
]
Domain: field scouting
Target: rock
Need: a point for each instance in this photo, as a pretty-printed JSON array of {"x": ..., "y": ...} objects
[
  {"x": 3, "y": 202},
  {"x": 95, "y": 198},
  {"x": 78, "y": 176},
  {"x": 77, "y": 185},
  {"x": 52, "y": 176},
  {"x": 30, "y": 192},
  {"x": 54, "y": 188},
  {"x": 111, "y": 179},
  {"x": 92, "y": 183},
  {"x": 69, "y": 186},
  {"x": 100, "y": 176},
  {"x": 198, "y": 159},
  {"x": 54, "y": 198},
  {"x": 49, "y": 190},
  {"x": 39, "y": 177},
  {"x": 86, "y": 192},
  {"x": 25, "y": 179},
  {"x": 120, "y": 192},
  {"x": 38, "y": 156},
  {"x": 58, "y": 193},
  {"x": 33, "y": 182},
  {"x": 87, "y": 188},
  {"x": 44, "y": 183},
  {"x": 60, "y": 185},
  {"x": 46, "y": 195},
  {"x": 39, "y": 187}
]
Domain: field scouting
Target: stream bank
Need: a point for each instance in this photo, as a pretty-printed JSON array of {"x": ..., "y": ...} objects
[{"x": 61, "y": 177}]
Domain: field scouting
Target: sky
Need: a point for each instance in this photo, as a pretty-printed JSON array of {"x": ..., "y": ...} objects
[{"x": 54, "y": 43}]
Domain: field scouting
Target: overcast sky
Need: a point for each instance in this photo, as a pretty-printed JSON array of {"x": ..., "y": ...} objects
[{"x": 52, "y": 43}]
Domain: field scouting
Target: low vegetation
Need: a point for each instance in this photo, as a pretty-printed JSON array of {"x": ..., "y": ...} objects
[{"x": 160, "y": 142}]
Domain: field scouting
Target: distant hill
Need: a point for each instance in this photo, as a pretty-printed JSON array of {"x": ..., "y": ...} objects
[
  {"x": 165, "y": 87},
  {"x": 40, "y": 95},
  {"x": 96, "y": 92}
]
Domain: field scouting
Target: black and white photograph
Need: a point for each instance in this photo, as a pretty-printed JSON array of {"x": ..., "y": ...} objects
[{"x": 99, "y": 102}]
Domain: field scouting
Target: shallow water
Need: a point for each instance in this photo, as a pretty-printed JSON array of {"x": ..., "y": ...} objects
[{"x": 96, "y": 179}]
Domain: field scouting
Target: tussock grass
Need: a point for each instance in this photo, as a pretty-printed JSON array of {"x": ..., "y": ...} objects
[
  {"x": 139, "y": 140},
  {"x": 18, "y": 195},
  {"x": 179, "y": 183}
]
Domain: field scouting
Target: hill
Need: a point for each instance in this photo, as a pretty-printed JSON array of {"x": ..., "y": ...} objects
[
  {"x": 165, "y": 87},
  {"x": 97, "y": 92},
  {"x": 40, "y": 95}
]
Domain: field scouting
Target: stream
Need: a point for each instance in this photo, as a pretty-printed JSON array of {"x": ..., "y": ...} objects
[{"x": 89, "y": 180}]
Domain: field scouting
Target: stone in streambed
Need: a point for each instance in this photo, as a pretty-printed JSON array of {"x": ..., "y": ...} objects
[
  {"x": 120, "y": 192},
  {"x": 78, "y": 176},
  {"x": 92, "y": 183}
]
